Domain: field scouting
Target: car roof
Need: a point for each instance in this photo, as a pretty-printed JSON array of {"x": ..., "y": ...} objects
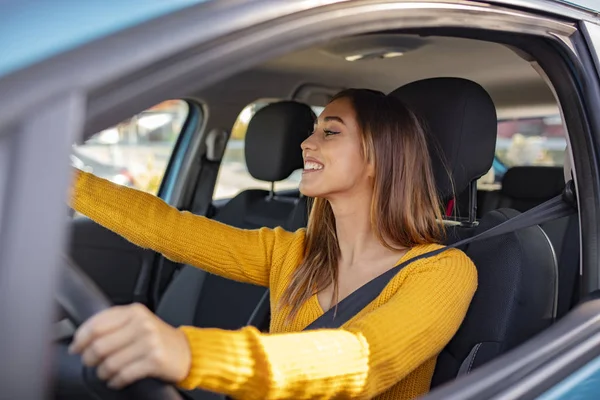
[{"x": 30, "y": 35}]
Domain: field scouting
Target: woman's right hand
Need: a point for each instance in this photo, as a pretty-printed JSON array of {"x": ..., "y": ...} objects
[{"x": 129, "y": 343}]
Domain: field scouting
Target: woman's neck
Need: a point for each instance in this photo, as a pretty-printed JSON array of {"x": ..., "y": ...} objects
[{"x": 354, "y": 231}]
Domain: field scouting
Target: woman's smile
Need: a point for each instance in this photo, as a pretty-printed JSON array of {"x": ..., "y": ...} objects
[{"x": 311, "y": 165}]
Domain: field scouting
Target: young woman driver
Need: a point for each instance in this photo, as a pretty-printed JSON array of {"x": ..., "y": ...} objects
[{"x": 367, "y": 167}]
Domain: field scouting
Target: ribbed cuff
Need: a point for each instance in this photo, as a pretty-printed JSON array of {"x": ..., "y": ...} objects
[
  {"x": 221, "y": 361},
  {"x": 297, "y": 365}
]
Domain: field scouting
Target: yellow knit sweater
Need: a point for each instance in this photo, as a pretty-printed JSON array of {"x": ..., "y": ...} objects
[{"x": 387, "y": 351}]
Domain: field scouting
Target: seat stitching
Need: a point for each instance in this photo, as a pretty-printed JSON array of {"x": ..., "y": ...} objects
[{"x": 477, "y": 347}]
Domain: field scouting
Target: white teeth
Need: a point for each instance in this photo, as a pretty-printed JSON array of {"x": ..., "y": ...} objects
[{"x": 312, "y": 165}]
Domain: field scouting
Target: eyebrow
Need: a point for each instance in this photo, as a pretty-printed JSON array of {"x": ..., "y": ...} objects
[{"x": 334, "y": 118}]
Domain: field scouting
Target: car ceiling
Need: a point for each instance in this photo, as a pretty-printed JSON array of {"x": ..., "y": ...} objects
[{"x": 514, "y": 85}]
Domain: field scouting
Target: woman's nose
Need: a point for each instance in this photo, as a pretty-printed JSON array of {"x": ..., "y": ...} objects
[{"x": 309, "y": 143}]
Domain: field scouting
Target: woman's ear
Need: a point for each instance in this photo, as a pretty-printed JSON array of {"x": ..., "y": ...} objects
[{"x": 371, "y": 169}]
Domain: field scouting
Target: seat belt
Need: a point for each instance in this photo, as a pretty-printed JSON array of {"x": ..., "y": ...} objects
[
  {"x": 557, "y": 207},
  {"x": 569, "y": 272}
]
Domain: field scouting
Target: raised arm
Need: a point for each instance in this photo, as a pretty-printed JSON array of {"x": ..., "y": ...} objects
[
  {"x": 362, "y": 360},
  {"x": 147, "y": 221}
]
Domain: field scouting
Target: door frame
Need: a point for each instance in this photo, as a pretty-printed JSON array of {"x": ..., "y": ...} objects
[{"x": 102, "y": 87}]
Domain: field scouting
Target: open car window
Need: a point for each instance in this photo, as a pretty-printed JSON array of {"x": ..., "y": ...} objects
[
  {"x": 136, "y": 152},
  {"x": 531, "y": 141},
  {"x": 535, "y": 141}
]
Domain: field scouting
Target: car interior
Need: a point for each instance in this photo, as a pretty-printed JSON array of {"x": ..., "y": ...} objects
[{"x": 462, "y": 89}]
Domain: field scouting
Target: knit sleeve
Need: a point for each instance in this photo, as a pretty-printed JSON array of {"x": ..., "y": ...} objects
[
  {"x": 361, "y": 360},
  {"x": 147, "y": 221}
]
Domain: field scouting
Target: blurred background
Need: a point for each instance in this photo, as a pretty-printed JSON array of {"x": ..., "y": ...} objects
[{"x": 136, "y": 152}]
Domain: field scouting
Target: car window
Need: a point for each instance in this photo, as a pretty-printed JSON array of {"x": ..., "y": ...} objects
[
  {"x": 233, "y": 173},
  {"x": 538, "y": 141},
  {"x": 531, "y": 141},
  {"x": 135, "y": 152}
]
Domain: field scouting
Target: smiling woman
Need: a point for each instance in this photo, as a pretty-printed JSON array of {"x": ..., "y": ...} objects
[
  {"x": 376, "y": 206},
  {"x": 365, "y": 148}
]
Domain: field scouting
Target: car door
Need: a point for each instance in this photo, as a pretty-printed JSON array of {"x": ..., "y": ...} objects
[
  {"x": 141, "y": 153},
  {"x": 561, "y": 363},
  {"x": 582, "y": 382}
]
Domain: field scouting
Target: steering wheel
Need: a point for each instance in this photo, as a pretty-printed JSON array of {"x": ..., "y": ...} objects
[{"x": 80, "y": 298}]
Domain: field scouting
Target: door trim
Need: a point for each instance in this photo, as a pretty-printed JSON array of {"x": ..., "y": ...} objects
[{"x": 528, "y": 371}]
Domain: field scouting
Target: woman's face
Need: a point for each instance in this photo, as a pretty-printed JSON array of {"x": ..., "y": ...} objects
[{"x": 333, "y": 155}]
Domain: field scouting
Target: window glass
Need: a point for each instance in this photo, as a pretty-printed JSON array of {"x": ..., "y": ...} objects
[
  {"x": 539, "y": 141},
  {"x": 233, "y": 173},
  {"x": 135, "y": 152},
  {"x": 531, "y": 141}
]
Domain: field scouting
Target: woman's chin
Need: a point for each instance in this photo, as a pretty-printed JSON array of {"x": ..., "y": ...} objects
[{"x": 308, "y": 190}]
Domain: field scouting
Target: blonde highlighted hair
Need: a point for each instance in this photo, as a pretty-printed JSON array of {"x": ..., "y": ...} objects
[{"x": 405, "y": 207}]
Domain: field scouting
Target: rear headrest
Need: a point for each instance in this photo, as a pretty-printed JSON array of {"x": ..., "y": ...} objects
[
  {"x": 533, "y": 183},
  {"x": 460, "y": 119},
  {"x": 273, "y": 140}
]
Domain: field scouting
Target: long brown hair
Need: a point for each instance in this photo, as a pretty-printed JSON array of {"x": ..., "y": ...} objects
[{"x": 405, "y": 207}]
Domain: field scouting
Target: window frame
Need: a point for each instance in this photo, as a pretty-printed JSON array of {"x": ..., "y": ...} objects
[
  {"x": 173, "y": 183},
  {"x": 91, "y": 101}
]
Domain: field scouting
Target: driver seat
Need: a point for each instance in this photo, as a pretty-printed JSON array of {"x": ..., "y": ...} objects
[{"x": 517, "y": 272}]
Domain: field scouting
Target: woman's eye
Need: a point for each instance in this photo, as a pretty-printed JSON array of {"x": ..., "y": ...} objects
[{"x": 328, "y": 132}]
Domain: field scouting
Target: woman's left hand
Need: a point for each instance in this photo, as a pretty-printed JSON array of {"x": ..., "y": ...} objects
[{"x": 128, "y": 343}]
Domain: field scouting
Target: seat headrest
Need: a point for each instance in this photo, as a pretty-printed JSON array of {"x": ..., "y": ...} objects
[
  {"x": 533, "y": 182},
  {"x": 273, "y": 139},
  {"x": 459, "y": 117}
]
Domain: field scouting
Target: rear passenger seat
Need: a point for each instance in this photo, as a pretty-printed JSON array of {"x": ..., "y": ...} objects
[
  {"x": 526, "y": 187},
  {"x": 272, "y": 148}
]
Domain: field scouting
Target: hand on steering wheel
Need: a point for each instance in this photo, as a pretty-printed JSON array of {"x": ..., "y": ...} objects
[
  {"x": 122, "y": 340},
  {"x": 128, "y": 343}
]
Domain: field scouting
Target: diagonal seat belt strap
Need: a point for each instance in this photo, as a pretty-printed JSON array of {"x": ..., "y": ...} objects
[{"x": 552, "y": 209}]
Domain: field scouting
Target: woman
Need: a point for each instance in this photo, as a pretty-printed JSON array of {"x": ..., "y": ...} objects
[{"x": 368, "y": 168}]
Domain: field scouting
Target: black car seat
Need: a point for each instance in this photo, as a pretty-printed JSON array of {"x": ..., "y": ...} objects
[
  {"x": 272, "y": 148},
  {"x": 517, "y": 272},
  {"x": 524, "y": 187}
]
